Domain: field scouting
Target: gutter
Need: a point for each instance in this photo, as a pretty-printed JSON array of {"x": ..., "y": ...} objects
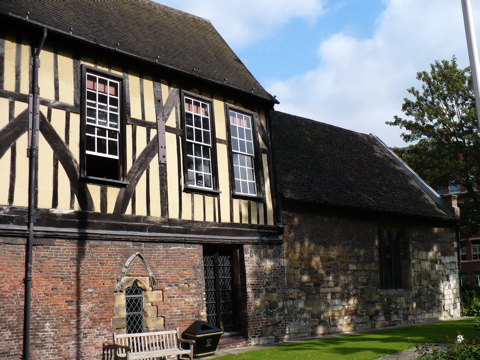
[
  {"x": 32, "y": 153},
  {"x": 425, "y": 187}
]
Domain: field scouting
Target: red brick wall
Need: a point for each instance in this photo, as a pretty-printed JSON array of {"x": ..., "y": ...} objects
[{"x": 71, "y": 278}]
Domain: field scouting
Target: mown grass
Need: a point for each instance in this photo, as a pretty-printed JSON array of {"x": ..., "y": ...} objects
[{"x": 364, "y": 346}]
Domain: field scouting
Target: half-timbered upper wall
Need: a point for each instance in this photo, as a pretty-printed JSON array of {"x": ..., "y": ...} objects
[{"x": 151, "y": 117}]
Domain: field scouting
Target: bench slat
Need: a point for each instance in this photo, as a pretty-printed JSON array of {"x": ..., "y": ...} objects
[{"x": 152, "y": 344}]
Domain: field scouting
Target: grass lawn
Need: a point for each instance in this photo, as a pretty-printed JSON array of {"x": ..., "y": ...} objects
[{"x": 364, "y": 346}]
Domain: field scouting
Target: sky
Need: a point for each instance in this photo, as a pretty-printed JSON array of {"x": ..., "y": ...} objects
[{"x": 347, "y": 63}]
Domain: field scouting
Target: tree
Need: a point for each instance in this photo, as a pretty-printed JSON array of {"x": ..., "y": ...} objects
[{"x": 442, "y": 121}]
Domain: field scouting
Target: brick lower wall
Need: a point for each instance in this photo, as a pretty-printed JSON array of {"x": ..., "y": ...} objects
[{"x": 73, "y": 295}]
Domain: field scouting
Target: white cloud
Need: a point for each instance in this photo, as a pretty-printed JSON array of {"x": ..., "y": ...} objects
[
  {"x": 244, "y": 22},
  {"x": 360, "y": 83}
]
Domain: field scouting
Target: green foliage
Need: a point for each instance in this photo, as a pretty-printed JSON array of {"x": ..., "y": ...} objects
[
  {"x": 461, "y": 351},
  {"x": 442, "y": 123},
  {"x": 471, "y": 301}
]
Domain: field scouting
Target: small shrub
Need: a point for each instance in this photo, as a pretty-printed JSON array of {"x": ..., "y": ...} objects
[
  {"x": 461, "y": 350},
  {"x": 471, "y": 301}
]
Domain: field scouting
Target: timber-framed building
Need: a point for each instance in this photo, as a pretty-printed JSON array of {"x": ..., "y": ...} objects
[{"x": 166, "y": 189}]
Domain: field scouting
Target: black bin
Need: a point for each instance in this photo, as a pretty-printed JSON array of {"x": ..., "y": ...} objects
[{"x": 206, "y": 337}]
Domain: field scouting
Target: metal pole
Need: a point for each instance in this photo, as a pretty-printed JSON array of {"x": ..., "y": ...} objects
[
  {"x": 32, "y": 154},
  {"x": 472, "y": 51}
]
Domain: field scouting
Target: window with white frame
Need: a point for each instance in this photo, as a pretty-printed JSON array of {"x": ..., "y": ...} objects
[
  {"x": 475, "y": 251},
  {"x": 102, "y": 130},
  {"x": 243, "y": 153},
  {"x": 198, "y": 140},
  {"x": 463, "y": 253},
  {"x": 454, "y": 189}
]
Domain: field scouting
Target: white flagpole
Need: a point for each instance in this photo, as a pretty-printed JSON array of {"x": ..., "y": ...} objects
[{"x": 472, "y": 51}]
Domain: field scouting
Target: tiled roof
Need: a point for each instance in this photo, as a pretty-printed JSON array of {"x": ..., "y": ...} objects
[
  {"x": 146, "y": 30},
  {"x": 330, "y": 166}
]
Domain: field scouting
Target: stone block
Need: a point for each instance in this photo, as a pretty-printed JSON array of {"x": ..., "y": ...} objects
[
  {"x": 154, "y": 323},
  {"x": 153, "y": 296},
  {"x": 119, "y": 322}
]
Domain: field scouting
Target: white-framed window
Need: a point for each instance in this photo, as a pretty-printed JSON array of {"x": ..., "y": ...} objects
[
  {"x": 102, "y": 125},
  {"x": 475, "y": 251},
  {"x": 464, "y": 279},
  {"x": 453, "y": 189},
  {"x": 463, "y": 253},
  {"x": 198, "y": 141},
  {"x": 243, "y": 153},
  {"x": 477, "y": 279}
]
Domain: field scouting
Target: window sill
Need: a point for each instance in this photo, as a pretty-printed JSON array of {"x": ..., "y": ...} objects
[
  {"x": 248, "y": 197},
  {"x": 394, "y": 292},
  {"x": 196, "y": 190},
  {"x": 101, "y": 181}
]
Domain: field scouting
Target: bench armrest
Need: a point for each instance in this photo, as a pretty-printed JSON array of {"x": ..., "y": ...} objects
[
  {"x": 112, "y": 350},
  {"x": 188, "y": 341}
]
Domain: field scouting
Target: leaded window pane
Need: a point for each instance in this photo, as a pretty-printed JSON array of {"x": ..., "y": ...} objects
[
  {"x": 134, "y": 309},
  {"x": 219, "y": 290}
]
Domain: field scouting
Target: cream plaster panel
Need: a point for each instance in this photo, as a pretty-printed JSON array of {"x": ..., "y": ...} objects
[
  {"x": 5, "y": 160},
  {"x": 95, "y": 192},
  {"x": 236, "y": 210},
  {"x": 224, "y": 182},
  {"x": 21, "y": 173},
  {"x": 220, "y": 122},
  {"x": 135, "y": 103},
  {"x": 254, "y": 212},
  {"x": 128, "y": 156},
  {"x": 45, "y": 168},
  {"x": 45, "y": 74},
  {"x": 155, "y": 187},
  {"x": 74, "y": 142},
  {"x": 186, "y": 206},
  {"x": 198, "y": 207},
  {"x": 25, "y": 68},
  {"x": 268, "y": 193},
  {"x": 3, "y": 113},
  {"x": 149, "y": 100},
  {"x": 65, "y": 73},
  {"x": 9, "y": 66},
  {"x": 141, "y": 188},
  {"x": 112, "y": 198},
  {"x": 244, "y": 205},
  {"x": 210, "y": 208},
  {"x": 172, "y": 176},
  {"x": 172, "y": 119}
]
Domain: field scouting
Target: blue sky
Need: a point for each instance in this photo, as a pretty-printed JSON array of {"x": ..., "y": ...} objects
[{"x": 344, "y": 62}]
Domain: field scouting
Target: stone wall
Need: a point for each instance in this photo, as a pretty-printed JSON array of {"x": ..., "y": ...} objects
[
  {"x": 265, "y": 268},
  {"x": 333, "y": 275}
]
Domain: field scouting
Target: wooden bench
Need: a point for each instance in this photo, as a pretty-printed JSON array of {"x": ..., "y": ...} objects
[{"x": 151, "y": 345}]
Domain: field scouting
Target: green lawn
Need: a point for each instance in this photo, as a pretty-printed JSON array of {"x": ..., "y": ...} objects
[{"x": 364, "y": 346}]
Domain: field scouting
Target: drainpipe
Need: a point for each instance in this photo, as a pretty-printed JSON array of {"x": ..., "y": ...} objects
[{"x": 32, "y": 153}]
